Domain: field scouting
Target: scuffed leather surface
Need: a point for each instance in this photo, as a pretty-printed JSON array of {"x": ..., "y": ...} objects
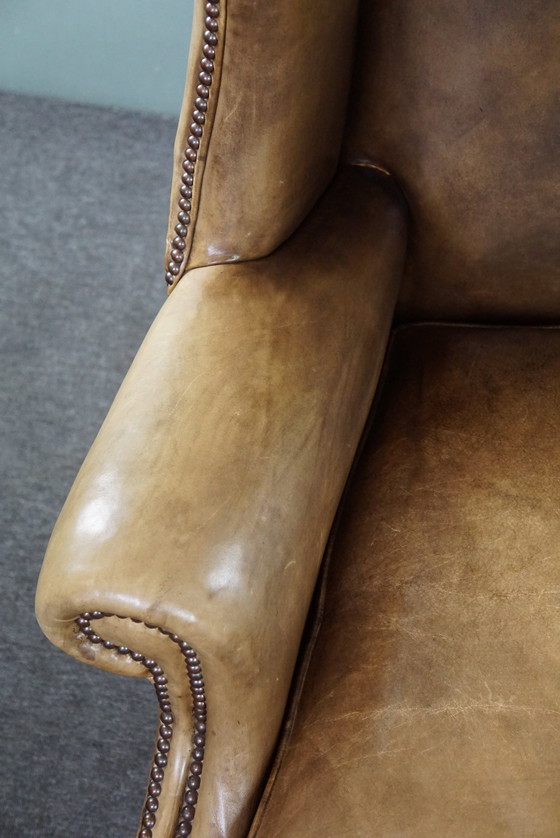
[
  {"x": 277, "y": 115},
  {"x": 206, "y": 500},
  {"x": 432, "y": 703},
  {"x": 460, "y": 102}
]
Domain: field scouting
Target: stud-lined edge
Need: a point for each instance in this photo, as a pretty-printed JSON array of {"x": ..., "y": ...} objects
[
  {"x": 165, "y": 730},
  {"x": 177, "y": 247}
]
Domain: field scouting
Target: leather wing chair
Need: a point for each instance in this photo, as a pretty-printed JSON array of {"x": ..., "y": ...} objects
[{"x": 356, "y": 185}]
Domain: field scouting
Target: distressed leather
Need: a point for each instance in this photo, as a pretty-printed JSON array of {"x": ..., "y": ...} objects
[
  {"x": 206, "y": 502},
  {"x": 431, "y": 704}
]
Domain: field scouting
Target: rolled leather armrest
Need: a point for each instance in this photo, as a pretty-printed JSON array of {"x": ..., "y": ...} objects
[{"x": 192, "y": 537}]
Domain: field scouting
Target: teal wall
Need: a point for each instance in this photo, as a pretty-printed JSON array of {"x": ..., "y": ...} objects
[{"x": 126, "y": 53}]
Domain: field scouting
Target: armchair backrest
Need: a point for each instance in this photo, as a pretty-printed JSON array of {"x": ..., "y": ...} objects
[{"x": 460, "y": 102}]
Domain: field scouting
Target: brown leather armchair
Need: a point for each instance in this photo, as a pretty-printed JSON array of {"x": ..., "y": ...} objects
[{"x": 355, "y": 183}]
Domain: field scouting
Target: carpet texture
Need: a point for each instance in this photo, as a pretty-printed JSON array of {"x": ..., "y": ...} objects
[{"x": 83, "y": 211}]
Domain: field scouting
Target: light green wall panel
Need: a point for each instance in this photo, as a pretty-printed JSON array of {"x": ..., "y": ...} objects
[{"x": 126, "y": 53}]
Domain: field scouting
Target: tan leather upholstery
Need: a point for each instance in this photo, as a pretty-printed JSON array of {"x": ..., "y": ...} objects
[
  {"x": 202, "y": 511},
  {"x": 431, "y": 705},
  {"x": 275, "y": 118},
  {"x": 208, "y": 517},
  {"x": 459, "y": 101}
]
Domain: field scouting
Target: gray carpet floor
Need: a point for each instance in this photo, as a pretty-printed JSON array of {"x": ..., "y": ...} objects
[{"x": 83, "y": 210}]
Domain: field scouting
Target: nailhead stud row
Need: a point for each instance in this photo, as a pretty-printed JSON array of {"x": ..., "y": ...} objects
[
  {"x": 165, "y": 731},
  {"x": 176, "y": 256}
]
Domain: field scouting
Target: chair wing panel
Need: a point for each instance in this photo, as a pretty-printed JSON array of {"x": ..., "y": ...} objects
[{"x": 261, "y": 126}]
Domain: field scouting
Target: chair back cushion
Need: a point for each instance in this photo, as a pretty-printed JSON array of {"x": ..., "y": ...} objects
[{"x": 460, "y": 102}]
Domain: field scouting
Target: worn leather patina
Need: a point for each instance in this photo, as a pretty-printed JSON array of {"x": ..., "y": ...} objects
[
  {"x": 431, "y": 706},
  {"x": 343, "y": 171}
]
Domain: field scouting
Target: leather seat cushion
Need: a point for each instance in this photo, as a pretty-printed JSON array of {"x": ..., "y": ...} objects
[{"x": 432, "y": 702}]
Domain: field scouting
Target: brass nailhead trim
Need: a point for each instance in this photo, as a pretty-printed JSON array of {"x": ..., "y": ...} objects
[
  {"x": 165, "y": 731},
  {"x": 176, "y": 254}
]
